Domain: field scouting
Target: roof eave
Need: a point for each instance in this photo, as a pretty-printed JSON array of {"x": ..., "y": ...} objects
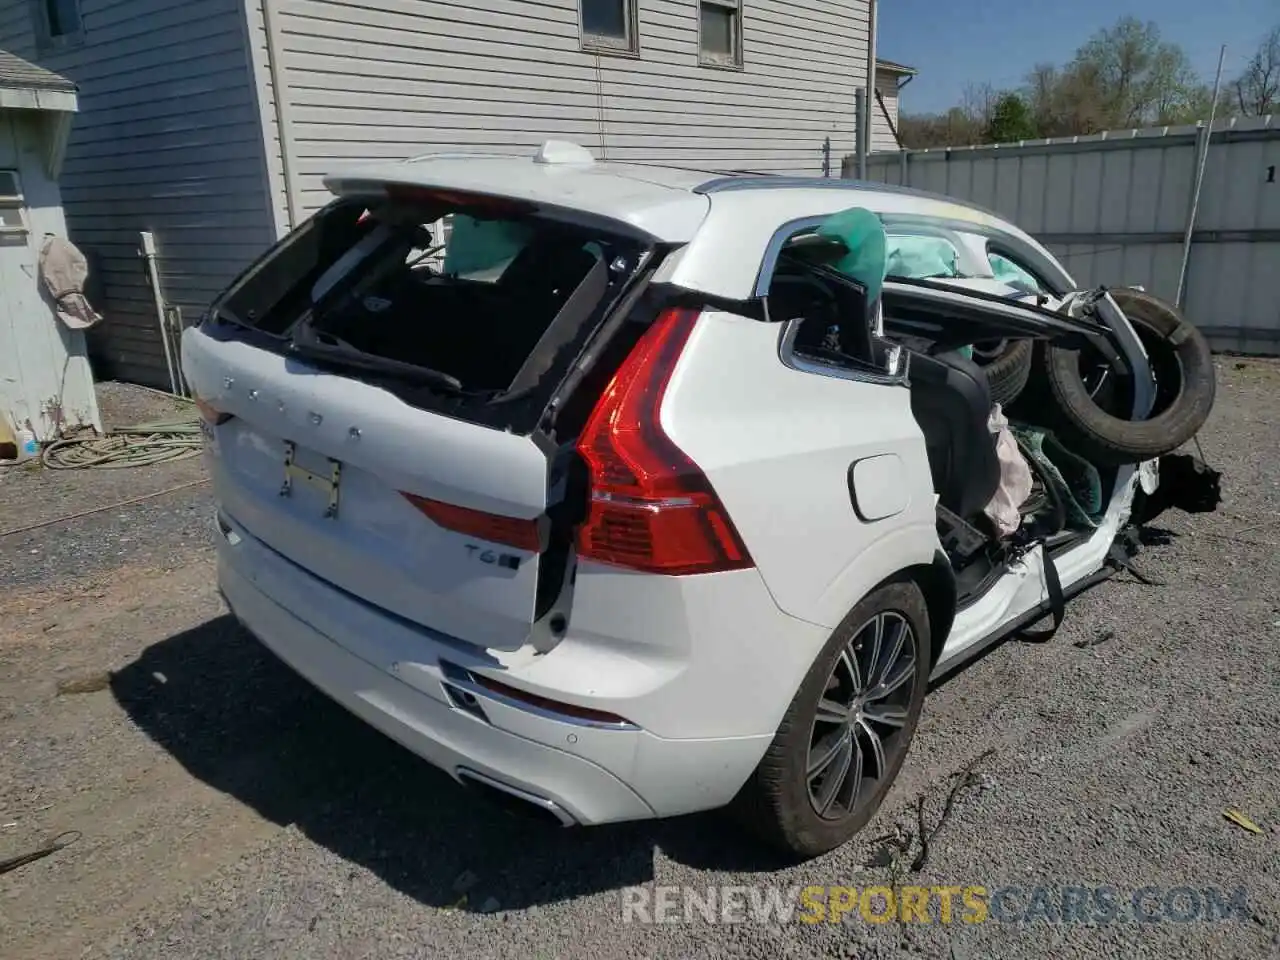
[
  {"x": 888, "y": 66},
  {"x": 22, "y": 97}
]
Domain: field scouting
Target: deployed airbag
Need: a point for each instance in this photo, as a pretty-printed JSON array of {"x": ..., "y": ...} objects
[{"x": 1005, "y": 508}]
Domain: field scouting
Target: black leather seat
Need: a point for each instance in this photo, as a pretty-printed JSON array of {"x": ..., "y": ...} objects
[{"x": 952, "y": 403}]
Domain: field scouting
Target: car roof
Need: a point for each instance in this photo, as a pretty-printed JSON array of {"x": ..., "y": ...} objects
[
  {"x": 664, "y": 202},
  {"x": 659, "y": 201}
]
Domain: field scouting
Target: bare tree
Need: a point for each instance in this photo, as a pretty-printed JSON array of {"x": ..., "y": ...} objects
[
  {"x": 979, "y": 103},
  {"x": 1258, "y": 88}
]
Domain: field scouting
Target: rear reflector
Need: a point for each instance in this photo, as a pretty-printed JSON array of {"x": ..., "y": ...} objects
[
  {"x": 652, "y": 509},
  {"x": 490, "y": 527},
  {"x": 552, "y": 706}
]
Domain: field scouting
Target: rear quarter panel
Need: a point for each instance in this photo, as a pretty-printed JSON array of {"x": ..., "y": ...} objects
[{"x": 777, "y": 445}]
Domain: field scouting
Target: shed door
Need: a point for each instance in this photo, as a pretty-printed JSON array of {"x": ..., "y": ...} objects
[{"x": 19, "y": 290}]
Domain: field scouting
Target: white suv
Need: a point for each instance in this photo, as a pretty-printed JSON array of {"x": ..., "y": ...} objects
[{"x": 617, "y": 504}]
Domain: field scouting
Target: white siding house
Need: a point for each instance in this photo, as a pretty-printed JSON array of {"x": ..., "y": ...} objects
[
  {"x": 45, "y": 382},
  {"x": 212, "y": 123}
]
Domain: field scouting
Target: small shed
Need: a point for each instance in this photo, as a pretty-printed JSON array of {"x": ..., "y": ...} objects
[{"x": 46, "y": 385}]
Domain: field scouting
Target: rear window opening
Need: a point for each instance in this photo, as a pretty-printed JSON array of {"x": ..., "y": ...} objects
[{"x": 455, "y": 294}]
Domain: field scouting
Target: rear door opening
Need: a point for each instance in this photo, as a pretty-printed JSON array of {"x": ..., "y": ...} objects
[{"x": 377, "y": 388}]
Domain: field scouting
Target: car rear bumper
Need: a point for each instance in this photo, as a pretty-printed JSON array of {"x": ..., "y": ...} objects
[{"x": 397, "y": 677}]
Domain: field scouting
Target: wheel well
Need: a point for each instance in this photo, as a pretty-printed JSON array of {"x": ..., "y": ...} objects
[{"x": 937, "y": 581}]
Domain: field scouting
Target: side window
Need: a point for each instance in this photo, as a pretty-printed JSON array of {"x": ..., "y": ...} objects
[{"x": 1007, "y": 270}]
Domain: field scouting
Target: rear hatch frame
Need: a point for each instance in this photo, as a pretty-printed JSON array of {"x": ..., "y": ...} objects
[{"x": 544, "y": 402}]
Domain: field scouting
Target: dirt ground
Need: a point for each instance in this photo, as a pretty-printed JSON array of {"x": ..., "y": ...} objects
[{"x": 225, "y": 809}]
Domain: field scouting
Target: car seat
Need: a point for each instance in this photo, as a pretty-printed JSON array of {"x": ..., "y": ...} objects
[{"x": 952, "y": 404}]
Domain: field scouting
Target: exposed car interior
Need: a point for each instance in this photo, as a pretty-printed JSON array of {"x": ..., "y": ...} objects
[
  {"x": 951, "y": 401},
  {"x": 952, "y": 404},
  {"x": 465, "y": 296}
]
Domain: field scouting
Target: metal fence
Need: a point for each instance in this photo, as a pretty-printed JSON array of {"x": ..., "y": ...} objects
[{"x": 1115, "y": 208}]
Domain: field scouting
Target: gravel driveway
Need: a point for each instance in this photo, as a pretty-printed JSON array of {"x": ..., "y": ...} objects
[{"x": 227, "y": 810}]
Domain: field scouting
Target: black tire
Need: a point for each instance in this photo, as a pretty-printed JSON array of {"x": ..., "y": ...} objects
[
  {"x": 1183, "y": 365},
  {"x": 776, "y": 803},
  {"x": 1008, "y": 372}
]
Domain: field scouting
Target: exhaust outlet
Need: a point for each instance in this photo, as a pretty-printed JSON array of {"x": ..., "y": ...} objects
[{"x": 515, "y": 800}]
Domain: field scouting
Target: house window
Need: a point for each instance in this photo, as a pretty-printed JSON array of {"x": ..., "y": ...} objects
[
  {"x": 10, "y": 203},
  {"x": 57, "y": 22},
  {"x": 720, "y": 32},
  {"x": 64, "y": 17},
  {"x": 609, "y": 25}
]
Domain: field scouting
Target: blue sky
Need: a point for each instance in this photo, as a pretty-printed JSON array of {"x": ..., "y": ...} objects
[{"x": 976, "y": 41}]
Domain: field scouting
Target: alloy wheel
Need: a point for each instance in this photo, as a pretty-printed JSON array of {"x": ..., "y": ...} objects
[{"x": 864, "y": 705}]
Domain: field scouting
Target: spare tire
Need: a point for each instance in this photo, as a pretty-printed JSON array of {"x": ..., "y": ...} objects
[
  {"x": 1182, "y": 366},
  {"x": 1007, "y": 368}
]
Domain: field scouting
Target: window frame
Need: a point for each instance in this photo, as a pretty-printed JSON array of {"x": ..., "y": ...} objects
[
  {"x": 736, "y": 59},
  {"x": 13, "y": 201},
  {"x": 836, "y": 363},
  {"x": 46, "y": 39},
  {"x": 626, "y": 46},
  {"x": 995, "y": 248}
]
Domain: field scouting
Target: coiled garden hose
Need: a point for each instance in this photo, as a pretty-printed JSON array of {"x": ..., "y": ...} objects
[{"x": 139, "y": 445}]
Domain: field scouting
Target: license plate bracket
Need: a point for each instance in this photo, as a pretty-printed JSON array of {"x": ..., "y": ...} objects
[{"x": 330, "y": 484}]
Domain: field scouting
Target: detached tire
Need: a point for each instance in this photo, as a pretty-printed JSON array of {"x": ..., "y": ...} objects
[
  {"x": 1182, "y": 364},
  {"x": 842, "y": 740},
  {"x": 1007, "y": 373}
]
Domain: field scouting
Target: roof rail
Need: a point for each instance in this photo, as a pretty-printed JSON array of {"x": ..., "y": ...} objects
[{"x": 773, "y": 182}]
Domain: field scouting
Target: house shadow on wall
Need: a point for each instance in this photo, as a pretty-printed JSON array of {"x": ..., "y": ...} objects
[{"x": 241, "y": 721}]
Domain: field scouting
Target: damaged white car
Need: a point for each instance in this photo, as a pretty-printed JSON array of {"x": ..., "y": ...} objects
[{"x": 628, "y": 492}]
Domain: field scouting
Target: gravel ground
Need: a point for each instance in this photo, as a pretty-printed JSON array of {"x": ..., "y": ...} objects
[
  {"x": 157, "y": 533},
  {"x": 228, "y": 810}
]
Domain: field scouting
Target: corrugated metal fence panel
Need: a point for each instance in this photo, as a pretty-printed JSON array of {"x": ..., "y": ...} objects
[{"x": 1114, "y": 208}]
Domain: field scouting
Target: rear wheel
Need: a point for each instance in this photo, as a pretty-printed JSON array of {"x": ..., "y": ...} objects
[{"x": 844, "y": 737}]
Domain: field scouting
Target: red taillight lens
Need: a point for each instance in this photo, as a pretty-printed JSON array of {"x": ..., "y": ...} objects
[
  {"x": 652, "y": 509},
  {"x": 490, "y": 527},
  {"x": 209, "y": 413},
  {"x": 466, "y": 202}
]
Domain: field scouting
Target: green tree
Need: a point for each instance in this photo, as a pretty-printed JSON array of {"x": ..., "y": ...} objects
[
  {"x": 1134, "y": 77},
  {"x": 1011, "y": 120},
  {"x": 1126, "y": 75}
]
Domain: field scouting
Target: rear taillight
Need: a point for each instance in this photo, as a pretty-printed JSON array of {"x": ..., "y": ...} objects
[
  {"x": 490, "y": 527},
  {"x": 651, "y": 508}
]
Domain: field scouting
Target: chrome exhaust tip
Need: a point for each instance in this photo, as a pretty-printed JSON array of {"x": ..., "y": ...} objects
[{"x": 525, "y": 803}]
